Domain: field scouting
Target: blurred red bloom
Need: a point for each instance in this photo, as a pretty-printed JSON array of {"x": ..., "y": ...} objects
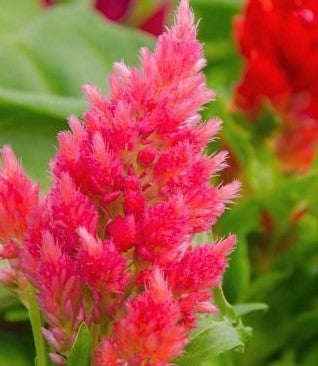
[
  {"x": 118, "y": 10},
  {"x": 113, "y": 9},
  {"x": 279, "y": 41}
]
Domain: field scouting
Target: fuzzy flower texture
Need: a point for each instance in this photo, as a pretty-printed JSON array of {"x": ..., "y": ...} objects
[
  {"x": 111, "y": 243},
  {"x": 279, "y": 41}
]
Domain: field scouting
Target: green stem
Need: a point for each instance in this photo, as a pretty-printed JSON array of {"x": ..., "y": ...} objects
[
  {"x": 36, "y": 324},
  {"x": 224, "y": 306}
]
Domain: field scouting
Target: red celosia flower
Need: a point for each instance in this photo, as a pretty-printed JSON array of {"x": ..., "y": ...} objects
[
  {"x": 118, "y": 11},
  {"x": 111, "y": 242},
  {"x": 277, "y": 70}
]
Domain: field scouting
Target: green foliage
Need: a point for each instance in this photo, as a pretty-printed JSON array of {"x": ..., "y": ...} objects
[
  {"x": 217, "y": 334},
  {"x": 282, "y": 268},
  {"x": 243, "y": 309},
  {"x": 81, "y": 350},
  {"x": 211, "y": 339}
]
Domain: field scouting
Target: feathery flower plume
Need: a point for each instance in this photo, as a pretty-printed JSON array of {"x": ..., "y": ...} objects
[
  {"x": 278, "y": 71},
  {"x": 151, "y": 331},
  {"x": 18, "y": 199},
  {"x": 111, "y": 244}
]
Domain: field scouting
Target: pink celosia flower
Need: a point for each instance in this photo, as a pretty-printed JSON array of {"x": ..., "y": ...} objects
[
  {"x": 60, "y": 294},
  {"x": 104, "y": 271},
  {"x": 18, "y": 198},
  {"x": 111, "y": 242},
  {"x": 151, "y": 331}
]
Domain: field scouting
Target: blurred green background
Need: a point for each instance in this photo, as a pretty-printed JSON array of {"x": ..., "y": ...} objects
[{"x": 45, "y": 57}]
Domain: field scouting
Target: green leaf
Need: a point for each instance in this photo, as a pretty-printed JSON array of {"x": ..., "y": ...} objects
[
  {"x": 33, "y": 140},
  {"x": 62, "y": 49},
  {"x": 216, "y": 334},
  {"x": 81, "y": 350},
  {"x": 243, "y": 309},
  {"x": 15, "y": 13},
  {"x": 52, "y": 106},
  {"x": 212, "y": 339}
]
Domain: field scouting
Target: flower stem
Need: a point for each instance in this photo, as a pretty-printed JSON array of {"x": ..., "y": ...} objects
[
  {"x": 224, "y": 306},
  {"x": 36, "y": 324}
]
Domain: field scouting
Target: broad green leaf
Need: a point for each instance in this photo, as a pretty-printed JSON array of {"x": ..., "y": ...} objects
[
  {"x": 216, "y": 334},
  {"x": 81, "y": 350},
  {"x": 33, "y": 139},
  {"x": 29, "y": 102},
  {"x": 15, "y": 13},
  {"x": 211, "y": 339},
  {"x": 63, "y": 48}
]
